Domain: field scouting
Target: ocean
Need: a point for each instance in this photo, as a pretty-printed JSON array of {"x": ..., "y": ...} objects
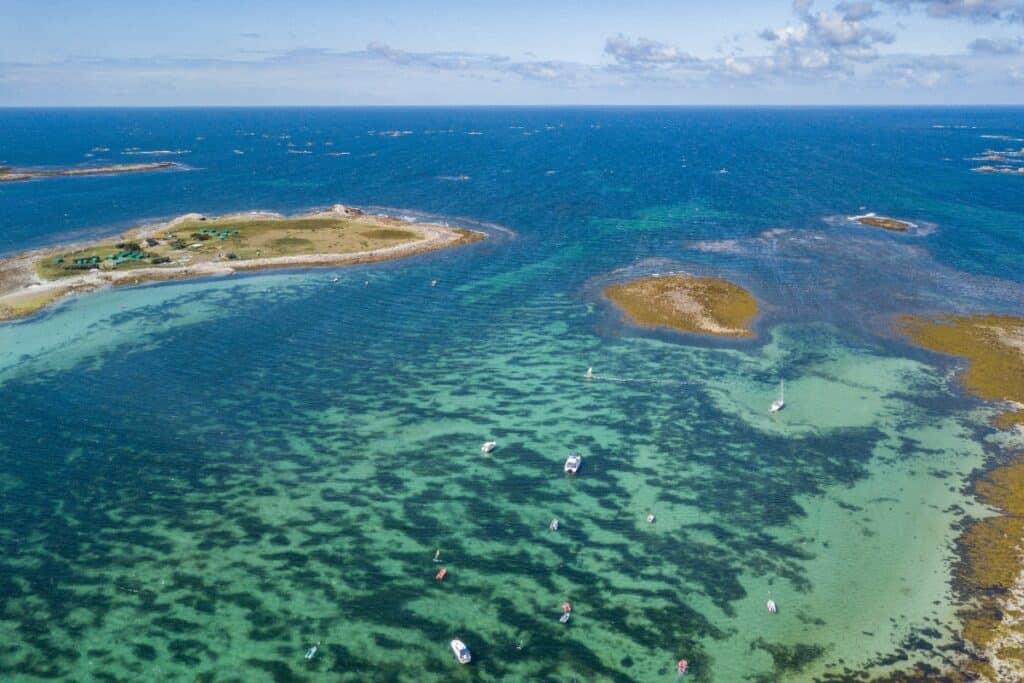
[{"x": 199, "y": 480}]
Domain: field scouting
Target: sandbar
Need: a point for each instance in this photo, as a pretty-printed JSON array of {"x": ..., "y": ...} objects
[
  {"x": 194, "y": 245},
  {"x": 686, "y": 303}
]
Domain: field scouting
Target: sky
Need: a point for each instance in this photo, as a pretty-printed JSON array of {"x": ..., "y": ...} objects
[{"x": 527, "y": 52}]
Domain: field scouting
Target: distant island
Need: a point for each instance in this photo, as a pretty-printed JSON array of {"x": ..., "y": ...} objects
[
  {"x": 686, "y": 303},
  {"x": 884, "y": 222},
  {"x": 8, "y": 174},
  {"x": 194, "y": 245}
]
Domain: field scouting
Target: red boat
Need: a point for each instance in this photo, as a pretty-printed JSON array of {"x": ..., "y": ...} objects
[
  {"x": 441, "y": 574},
  {"x": 566, "y": 607},
  {"x": 681, "y": 668}
]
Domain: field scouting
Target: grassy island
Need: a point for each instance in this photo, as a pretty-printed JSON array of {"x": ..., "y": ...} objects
[
  {"x": 197, "y": 246},
  {"x": 8, "y": 174},
  {"x": 701, "y": 305},
  {"x": 884, "y": 222},
  {"x": 994, "y": 348}
]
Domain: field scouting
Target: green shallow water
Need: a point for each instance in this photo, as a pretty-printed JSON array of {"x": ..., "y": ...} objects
[{"x": 191, "y": 509}]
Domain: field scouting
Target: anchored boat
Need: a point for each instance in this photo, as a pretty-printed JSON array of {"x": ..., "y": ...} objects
[
  {"x": 573, "y": 462},
  {"x": 488, "y": 446},
  {"x": 461, "y": 651},
  {"x": 780, "y": 402}
]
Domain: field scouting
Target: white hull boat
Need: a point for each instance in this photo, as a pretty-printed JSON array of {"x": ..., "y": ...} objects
[
  {"x": 780, "y": 402},
  {"x": 488, "y": 446},
  {"x": 572, "y": 463},
  {"x": 461, "y": 652}
]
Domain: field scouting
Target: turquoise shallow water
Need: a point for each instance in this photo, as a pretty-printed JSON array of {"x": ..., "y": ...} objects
[{"x": 201, "y": 479}]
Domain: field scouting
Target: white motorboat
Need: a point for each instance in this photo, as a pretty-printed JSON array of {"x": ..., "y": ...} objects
[
  {"x": 461, "y": 652},
  {"x": 772, "y": 607},
  {"x": 573, "y": 462},
  {"x": 778, "y": 403},
  {"x": 554, "y": 525},
  {"x": 488, "y": 446}
]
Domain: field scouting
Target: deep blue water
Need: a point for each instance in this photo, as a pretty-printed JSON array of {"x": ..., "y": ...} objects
[
  {"x": 787, "y": 168},
  {"x": 197, "y": 480}
]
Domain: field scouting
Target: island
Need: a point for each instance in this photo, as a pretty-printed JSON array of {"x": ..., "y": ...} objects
[
  {"x": 195, "y": 245},
  {"x": 884, "y": 222},
  {"x": 687, "y": 303},
  {"x": 990, "y": 571},
  {"x": 8, "y": 174}
]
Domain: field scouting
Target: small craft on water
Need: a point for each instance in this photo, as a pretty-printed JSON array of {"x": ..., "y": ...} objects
[
  {"x": 572, "y": 463},
  {"x": 772, "y": 607},
  {"x": 461, "y": 651},
  {"x": 311, "y": 652},
  {"x": 780, "y": 402},
  {"x": 682, "y": 665},
  {"x": 565, "y": 617},
  {"x": 650, "y": 519},
  {"x": 566, "y": 607},
  {"x": 554, "y": 525},
  {"x": 488, "y": 446},
  {"x": 437, "y": 555},
  {"x": 441, "y": 573},
  {"x": 589, "y": 374}
]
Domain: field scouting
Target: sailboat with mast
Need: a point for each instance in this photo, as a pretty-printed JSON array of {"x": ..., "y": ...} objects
[{"x": 780, "y": 402}]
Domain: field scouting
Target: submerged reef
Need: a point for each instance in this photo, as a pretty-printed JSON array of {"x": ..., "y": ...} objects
[
  {"x": 701, "y": 305},
  {"x": 991, "y": 573},
  {"x": 994, "y": 348}
]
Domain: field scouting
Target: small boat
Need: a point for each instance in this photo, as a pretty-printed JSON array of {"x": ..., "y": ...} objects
[
  {"x": 488, "y": 446},
  {"x": 780, "y": 402},
  {"x": 437, "y": 555},
  {"x": 461, "y": 651},
  {"x": 589, "y": 374},
  {"x": 441, "y": 573},
  {"x": 554, "y": 525},
  {"x": 566, "y": 607},
  {"x": 573, "y": 462},
  {"x": 650, "y": 519},
  {"x": 565, "y": 617},
  {"x": 311, "y": 652},
  {"x": 772, "y": 607},
  {"x": 682, "y": 666}
]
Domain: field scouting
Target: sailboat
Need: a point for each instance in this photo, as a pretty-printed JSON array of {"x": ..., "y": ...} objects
[{"x": 778, "y": 403}]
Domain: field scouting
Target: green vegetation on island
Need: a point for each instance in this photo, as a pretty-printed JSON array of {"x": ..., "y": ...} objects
[
  {"x": 195, "y": 246},
  {"x": 700, "y": 305}
]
